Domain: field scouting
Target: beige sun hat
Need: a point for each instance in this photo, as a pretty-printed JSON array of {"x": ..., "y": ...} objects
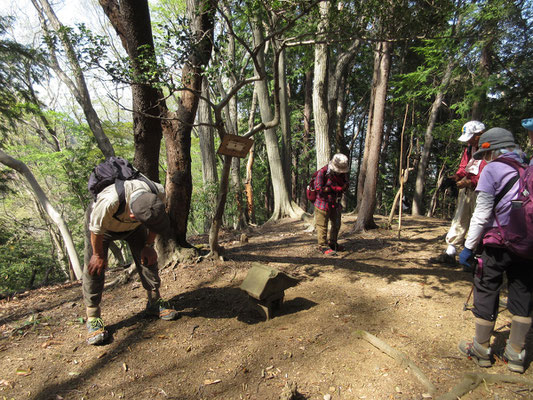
[{"x": 339, "y": 164}]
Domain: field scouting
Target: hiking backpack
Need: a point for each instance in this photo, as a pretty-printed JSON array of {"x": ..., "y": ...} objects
[
  {"x": 310, "y": 190},
  {"x": 115, "y": 170},
  {"x": 517, "y": 235}
]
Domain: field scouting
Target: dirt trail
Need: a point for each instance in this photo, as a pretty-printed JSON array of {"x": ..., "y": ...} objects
[{"x": 222, "y": 349}]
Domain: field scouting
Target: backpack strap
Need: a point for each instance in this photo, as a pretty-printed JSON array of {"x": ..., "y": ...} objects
[
  {"x": 119, "y": 186},
  {"x": 518, "y": 167}
]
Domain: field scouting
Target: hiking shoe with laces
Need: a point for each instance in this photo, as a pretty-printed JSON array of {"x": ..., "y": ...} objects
[
  {"x": 161, "y": 309},
  {"x": 96, "y": 332},
  {"x": 444, "y": 259},
  {"x": 476, "y": 352},
  {"x": 514, "y": 360}
]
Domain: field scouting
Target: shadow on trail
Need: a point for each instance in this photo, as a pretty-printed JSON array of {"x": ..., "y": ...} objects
[
  {"x": 229, "y": 302},
  {"x": 206, "y": 302},
  {"x": 382, "y": 257}
]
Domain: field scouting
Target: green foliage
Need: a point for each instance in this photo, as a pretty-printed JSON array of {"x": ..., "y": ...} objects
[
  {"x": 16, "y": 69},
  {"x": 23, "y": 252}
]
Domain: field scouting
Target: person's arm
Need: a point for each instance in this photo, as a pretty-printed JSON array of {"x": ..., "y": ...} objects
[
  {"x": 98, "y": 260},
  {"x": 148, "y": 253},
  {"x": 150, "y": 240},
  {"x": 480, "y": 219},
  {"x": 461, "y": 171}
]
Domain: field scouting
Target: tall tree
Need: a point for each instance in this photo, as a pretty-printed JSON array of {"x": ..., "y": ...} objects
[
  {"x": 78, "y": 86},
  {"x": 132, "y": 23},
  {"x": 283, "y": 206},
  {"x": 365, "y": 216},
  {"x": 320, "y": 89}
]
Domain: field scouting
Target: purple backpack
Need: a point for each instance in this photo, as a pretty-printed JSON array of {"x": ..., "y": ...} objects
[{"x": 517, "y": 236}]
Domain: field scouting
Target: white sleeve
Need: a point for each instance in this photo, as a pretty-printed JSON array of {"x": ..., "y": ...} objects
[{"x": 481, "y": 218}]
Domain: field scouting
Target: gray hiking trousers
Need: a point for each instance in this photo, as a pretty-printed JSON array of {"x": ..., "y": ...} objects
[{"x": 93, "y": 285}]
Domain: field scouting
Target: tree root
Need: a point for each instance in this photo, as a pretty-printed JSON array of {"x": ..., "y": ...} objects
[
  {"x": 398, "y": 356},
  {"x": 122, "y": 278},
  {"x": 471, "y": 380}
]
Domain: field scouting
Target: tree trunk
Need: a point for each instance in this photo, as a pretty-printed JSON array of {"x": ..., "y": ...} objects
[
  {"x": 177, "y": 131},
  {"x": 78, "y": 88},
  {"x": 428, "y": 141},
  {"x": 365, "y": 216},
  {"x": 207, "y": 152},
  {"x": 206, "y": 135},
  {"x": 320, "y": 91},
  {"x": 131, "y": 20},
  {"x": 249, "y": 189},
  {"x": 283, "y": 207},
  {"x": 50, "y": 210},
  {"x": 284, "y": 114}
]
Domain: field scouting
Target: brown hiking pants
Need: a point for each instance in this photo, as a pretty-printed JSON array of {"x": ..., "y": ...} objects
[{"x": 322, "y": 217}]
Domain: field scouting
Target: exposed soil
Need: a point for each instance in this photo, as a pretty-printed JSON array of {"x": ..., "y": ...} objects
[{"x": 221, "y": 348}]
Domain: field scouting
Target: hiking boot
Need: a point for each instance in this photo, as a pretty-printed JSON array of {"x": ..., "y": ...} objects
[
  {"x": 514, "y": 360},
  {"x": 96, "y": 332},
  {"x": 336, "y": 247},
  {"x": 444, "y": 259},
  {"x": 162, "y": 310},
  {"x": 476, "y": 352}
]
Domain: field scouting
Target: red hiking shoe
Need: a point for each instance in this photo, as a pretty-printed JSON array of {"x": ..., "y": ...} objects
[{"x": 327, "y": 251}]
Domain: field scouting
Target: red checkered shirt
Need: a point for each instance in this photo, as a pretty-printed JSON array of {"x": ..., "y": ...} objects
[{"x": 326, "y": 197}]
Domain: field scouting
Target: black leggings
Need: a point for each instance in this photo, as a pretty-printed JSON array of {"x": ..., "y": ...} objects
[{"x": 488, "y": 280}]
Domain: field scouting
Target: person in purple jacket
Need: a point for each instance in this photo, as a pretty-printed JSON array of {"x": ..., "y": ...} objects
[{"x": 495, "y": 260}]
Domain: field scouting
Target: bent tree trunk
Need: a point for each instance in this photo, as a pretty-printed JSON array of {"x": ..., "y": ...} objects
[{"x": 50, "y": 210}]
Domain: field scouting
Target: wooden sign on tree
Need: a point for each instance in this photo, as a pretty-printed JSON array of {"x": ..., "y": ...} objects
[{"x": 235, "y": 146}]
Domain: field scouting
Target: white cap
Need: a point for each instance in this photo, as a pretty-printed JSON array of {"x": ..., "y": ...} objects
[{"x": 470, "y": 129}]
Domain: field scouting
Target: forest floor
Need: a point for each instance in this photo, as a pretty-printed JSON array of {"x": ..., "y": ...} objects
[{"x": 221, "y": 348}]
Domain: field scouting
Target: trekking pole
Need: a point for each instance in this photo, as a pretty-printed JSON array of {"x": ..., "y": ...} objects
[{"x": 465, "y": 306}]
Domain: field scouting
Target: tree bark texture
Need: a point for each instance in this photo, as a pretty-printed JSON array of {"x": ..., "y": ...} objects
[
  {"x": 131, "y": 20},
  {"x": 320, "y": 91},
  {"x": 365, "y": 216},
  {"x": 206, "y": 135},
  {"x": 417, "y": 207},
  {"x": 283, "y": 207},
  {"x": 177, "y": 132}
]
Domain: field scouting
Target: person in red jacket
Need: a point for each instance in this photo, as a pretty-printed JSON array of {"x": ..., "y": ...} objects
[
  {"x": 466, "y": 178},
  {"x": 330, "y": 184}
]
